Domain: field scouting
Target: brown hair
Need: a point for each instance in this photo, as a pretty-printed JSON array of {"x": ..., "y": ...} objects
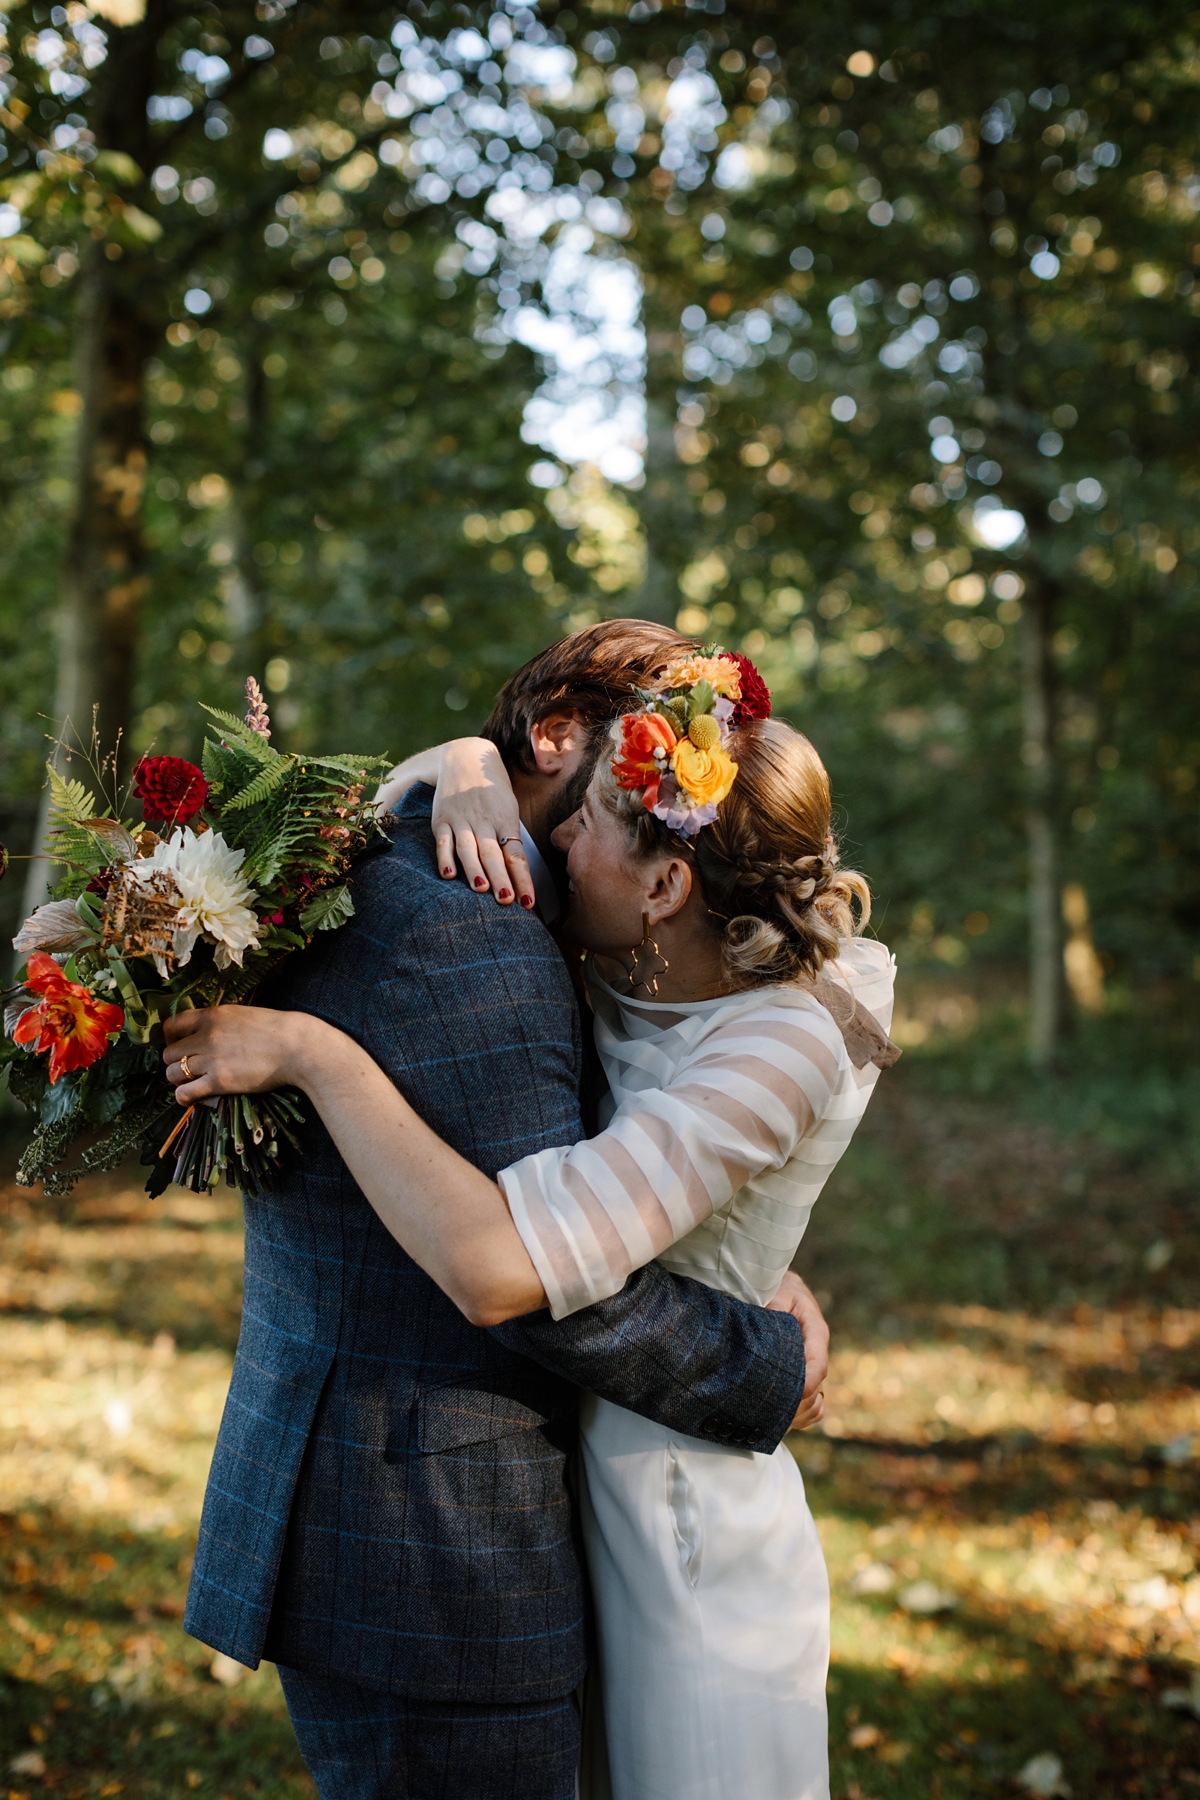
[
  {"x": 768, "y": 865},
  {"x": 590, "y": 673}
]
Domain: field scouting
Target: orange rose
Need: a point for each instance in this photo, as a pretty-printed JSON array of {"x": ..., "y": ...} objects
[
  {"x": 721, "y": 671},
  {"x": 704, "y": 775},
  {"x": 641, "y": 735}
]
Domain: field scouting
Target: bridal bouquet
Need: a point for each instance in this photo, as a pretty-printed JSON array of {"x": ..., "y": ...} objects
[{"x": 233, "y": 867}]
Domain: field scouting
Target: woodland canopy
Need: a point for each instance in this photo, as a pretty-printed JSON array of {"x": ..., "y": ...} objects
[{"x": 885, "y": 322}]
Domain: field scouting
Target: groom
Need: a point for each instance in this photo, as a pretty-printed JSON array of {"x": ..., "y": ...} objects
[{"x": 387, "y": 1517}]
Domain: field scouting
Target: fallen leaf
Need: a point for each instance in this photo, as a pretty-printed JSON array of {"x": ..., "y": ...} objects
[
  {"x": 222, "y": 1668},
  {"x": 30, "y": 1762},
  {"x": 876, "y": 1578},
  {"x": 865, "y": 1737},
  {"x": 1042, "y": 1776},
  {"x": 927, "y": 1597},
  {"x": 1156, "y": 1593},
  {"x": 1184, "y": 1699},
  {"x": 894, "y": 1752}
]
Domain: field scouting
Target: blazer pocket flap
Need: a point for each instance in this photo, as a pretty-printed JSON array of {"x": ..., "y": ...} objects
[{"x": 451, "y": 1417}]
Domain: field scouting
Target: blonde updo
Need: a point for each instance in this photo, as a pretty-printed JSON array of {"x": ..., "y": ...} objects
[{"x": 768, "y": 866}]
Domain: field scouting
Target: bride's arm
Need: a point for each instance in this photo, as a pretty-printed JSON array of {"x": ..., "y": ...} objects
[
  {"x": 475, "y": 814},
  {"x": 735, "y": 1108},
  {"x": 449, "y": 1217}
]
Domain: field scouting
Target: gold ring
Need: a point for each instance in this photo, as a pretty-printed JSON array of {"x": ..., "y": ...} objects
[
  {"x": 185, "y": 1069},
  {"x": 506, "y": 840}
]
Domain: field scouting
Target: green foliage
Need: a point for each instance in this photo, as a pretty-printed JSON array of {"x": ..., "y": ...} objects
[
  {"x": 316, "y": 807},
  {"x": 264, "y": 783},
  {"x": 247, "y": 740},
  {"x": 328, "y": 910},
  {"x": 73, "y": 801},
  {"x": 993, "y": 232},
  {"x": 331, "y": 492}
]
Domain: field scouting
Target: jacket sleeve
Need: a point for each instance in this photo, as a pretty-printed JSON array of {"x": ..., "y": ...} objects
[
  {"x": 680, "y": 1353},
  {"x": 475, "y": 1020}
]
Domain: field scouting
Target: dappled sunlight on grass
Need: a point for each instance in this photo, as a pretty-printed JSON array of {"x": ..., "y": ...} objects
[
  {"x": 1007, "y": 1485},
  {"x": 117, "y": 1324},
  {"x": 987, "y": 1611},
  {"x": 992, "y": 1376},
  {"x": 1008, "y": 1493}
]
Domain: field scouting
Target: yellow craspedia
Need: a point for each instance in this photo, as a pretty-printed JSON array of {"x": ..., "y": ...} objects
[{"x": 704, "y": 732}]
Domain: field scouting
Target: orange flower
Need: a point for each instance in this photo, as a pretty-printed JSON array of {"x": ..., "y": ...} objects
[
  {"x": 634, "y": 765},
  {"x": 721, "y": 671},
  {"x": 705, "y": 775},
  {"x": 70, "y": 1022}
]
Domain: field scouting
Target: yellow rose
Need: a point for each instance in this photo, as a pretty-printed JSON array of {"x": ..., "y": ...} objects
[{"x": 704, "y": 775}]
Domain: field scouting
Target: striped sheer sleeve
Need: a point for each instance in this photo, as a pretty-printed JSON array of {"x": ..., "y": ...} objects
[{"x": 736, "y": 1107}]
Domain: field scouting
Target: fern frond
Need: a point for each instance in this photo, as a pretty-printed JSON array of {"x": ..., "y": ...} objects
[
  {"x": 263, "y": 784},
  {"x": 70, "y": 799},
  {"x": 355, "y": 767},
  {"x": 242, "y": 734}
]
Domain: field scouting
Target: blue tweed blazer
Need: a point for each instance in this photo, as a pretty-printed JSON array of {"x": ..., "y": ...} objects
[{"x": 388, "y": 1496}]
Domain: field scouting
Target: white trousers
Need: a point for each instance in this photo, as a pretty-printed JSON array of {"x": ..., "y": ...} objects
[{"x": 712, "y": 1604}]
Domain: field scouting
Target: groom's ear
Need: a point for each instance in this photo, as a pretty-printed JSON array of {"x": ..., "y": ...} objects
[{"x": 556, "y": 739}]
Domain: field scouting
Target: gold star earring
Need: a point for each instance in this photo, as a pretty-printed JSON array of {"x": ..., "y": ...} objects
[{"x": 648, "y": 963}]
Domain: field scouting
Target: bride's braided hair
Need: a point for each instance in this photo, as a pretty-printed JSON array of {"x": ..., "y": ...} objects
[{"x": 768, "y": 865}]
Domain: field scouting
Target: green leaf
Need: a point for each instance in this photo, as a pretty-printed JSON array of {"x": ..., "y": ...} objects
[
  {"x": 59, "y": 1101},
  {"x": 70, "y": 799},
  {"x": 263, "y": 784},
  {"x": 116, "y": 163},
  {"x": 328, "y": 910},
  {"x": 140, "y": 225},
  {"x": 89, "y": 912},
  {"x": 242, "y": 735},
  {"x": 24, "y": 249}
]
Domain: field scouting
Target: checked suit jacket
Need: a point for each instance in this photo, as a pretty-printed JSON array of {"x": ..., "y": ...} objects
[{"x": 388, "y": 1498}]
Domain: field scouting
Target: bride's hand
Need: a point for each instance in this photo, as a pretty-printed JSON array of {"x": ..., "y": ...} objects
[
  {"x": 796, "y": 1297},
  {"x": 475, "y": 816},
  {"x": 236, "y": 1050}
]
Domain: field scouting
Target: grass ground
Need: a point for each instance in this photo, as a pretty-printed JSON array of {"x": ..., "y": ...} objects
[{"x": 1007, "y": 1483}]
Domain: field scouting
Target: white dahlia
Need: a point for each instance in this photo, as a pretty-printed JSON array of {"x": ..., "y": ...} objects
[{"x": 213, "y": 895}]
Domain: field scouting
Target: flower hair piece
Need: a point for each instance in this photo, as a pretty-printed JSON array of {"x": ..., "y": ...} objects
[{"x": 672, "y": 750}]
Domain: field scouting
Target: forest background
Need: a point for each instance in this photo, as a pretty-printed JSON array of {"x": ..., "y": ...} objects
[
  {"x": 369, "y": 348},
  {"x": 876, "y": 358}
]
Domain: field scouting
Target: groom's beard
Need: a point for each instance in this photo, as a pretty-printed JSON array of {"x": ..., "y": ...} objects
[
  {"x": 566, "y": 800},
  {"x": 569, "y": 797}
]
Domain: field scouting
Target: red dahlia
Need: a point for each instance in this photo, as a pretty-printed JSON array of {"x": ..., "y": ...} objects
[
  {"x": 755, "y": 702},
  {"x": 169, "y": 789}
]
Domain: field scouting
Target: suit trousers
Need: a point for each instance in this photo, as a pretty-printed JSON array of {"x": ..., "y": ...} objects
[{"x": 361, "y": 1745}]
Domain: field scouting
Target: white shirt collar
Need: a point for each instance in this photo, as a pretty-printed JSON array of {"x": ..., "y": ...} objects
[{"x": 548, "y": 904}]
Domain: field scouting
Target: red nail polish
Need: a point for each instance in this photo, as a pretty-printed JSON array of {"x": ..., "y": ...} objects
[
  {"x": 447, "y": 871},
  {"x": 526, "y": 900},
  {"x": 505, "y": 894},
  {"x": 480, "y": 882}
]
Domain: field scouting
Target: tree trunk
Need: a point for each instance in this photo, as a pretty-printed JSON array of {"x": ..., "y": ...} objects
[
  {"x": 105, "y": 567},
  {"x": 246, "y": 603},
  {"x": 104, "y": 575},
  {"x": 1038, "y": 754}
]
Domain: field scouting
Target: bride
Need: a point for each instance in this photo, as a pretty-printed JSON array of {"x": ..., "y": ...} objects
[{"x": 741, "y": 1022}]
